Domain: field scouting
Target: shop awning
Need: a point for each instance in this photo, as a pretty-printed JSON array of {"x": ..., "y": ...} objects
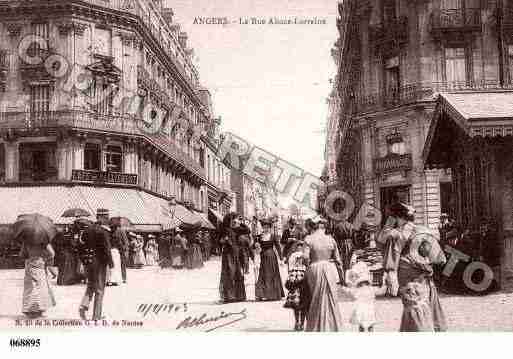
[
  {"x": 467, "y": 115},
  {"x": 204, "y": 219},
  {"x": 216, "y": 214}
]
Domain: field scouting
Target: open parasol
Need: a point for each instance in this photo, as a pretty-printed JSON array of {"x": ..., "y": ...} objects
[
  {"x": 121, "y": 222},
  {"x": 34, "y": 229},
  {"x": 76, "y": 212}
]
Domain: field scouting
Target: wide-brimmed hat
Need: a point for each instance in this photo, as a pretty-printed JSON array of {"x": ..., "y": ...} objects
[{"x": 359, "y": 273}]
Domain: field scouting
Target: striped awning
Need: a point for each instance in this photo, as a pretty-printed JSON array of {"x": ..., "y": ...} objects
[
  {"x": 216, "y": 214},
  {"x": 204, "y": 219}
]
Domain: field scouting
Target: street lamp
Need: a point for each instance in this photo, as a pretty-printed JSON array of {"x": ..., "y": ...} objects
[{"x": 172, "y": 207}]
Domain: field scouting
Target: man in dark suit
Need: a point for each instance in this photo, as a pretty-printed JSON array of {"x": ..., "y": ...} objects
[{"x": 97, "y": 241}]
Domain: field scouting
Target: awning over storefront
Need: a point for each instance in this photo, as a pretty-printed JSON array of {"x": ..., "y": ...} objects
[
  {"x": 148, "y": 213},
  {"x": 204, "y": 219},
  {"x": 216, "y": 214},
  {"x": 467, "y": 115}
]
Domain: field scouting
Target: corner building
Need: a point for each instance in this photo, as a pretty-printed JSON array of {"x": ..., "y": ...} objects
[{"x": 78, "y": 133}]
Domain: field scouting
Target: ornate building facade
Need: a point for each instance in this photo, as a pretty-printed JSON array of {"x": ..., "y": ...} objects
[
  {"x": 423, "y": 87},
  {"x": 101, "y": 106}
]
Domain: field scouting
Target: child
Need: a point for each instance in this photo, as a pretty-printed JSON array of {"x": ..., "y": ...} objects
[
  {"x": 363, "y": 295},
  {"x": 296, "y": 284},
  {"x": 256, "y": 260}
]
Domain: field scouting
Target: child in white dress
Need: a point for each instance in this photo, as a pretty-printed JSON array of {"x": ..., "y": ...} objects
[{"x": 363, "y": 295}]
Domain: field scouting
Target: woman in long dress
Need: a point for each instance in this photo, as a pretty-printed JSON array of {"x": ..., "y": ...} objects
[
  {"x": 269, "y": 285},
  {"x": 68, "y": 260},
  {"x": 177, "y": 249},
  {"x": 37, "y": 294},
  {"x": 322, "y": 277},
  {"x": 151, "y": 251},
  {"x": 410, "y": 252},
  {"x": 114, "y": 276},
  {"x": 194, "y": 256},
  {"x": 231, "y": 285},
  {"x": 138, "y": 253}
]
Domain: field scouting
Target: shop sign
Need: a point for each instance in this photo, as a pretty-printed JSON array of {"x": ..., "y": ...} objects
[
  {"x": 103, "y": 177},
  {"x": 393, "y": 163}
]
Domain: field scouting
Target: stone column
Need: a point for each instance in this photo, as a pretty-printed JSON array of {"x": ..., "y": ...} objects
[
  {"x": 61, "y": 160},
  {"x": 12, "y": 160},
  {"x": 78, "y": 155},
  {"x": 367, "y": 165}
]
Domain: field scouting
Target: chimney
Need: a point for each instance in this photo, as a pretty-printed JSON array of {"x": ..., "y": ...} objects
[
  {"x": 182, "y": 38},
  {"x": 167, "y": 14}
]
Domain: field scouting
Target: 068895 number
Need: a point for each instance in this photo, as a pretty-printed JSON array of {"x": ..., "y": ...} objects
[{"x": 25, "y": 343}]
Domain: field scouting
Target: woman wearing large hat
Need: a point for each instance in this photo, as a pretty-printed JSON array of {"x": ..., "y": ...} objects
[
  {"x": 231, "y": 285},
  {"x": 410, "y": 253},
  {"x": 269, "y": 285}
]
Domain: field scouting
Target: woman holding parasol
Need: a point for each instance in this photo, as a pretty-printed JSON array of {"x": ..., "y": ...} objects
[{"x": 35, "y": 232}]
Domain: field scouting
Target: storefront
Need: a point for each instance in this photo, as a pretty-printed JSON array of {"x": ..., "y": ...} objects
[{"x": 471, "y": 134}]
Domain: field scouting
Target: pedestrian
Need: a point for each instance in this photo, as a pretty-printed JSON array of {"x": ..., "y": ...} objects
[
  {"x": 231, "y": 285},
  {"x": 99, "y": 257},
  {"x": 269, "y": 286},
  {"x": 194, "y": 256},
  {"x": 37, "y": 294},
  {"x": 361, "y": 292},
  {"x": 138, "y": 252},
  {"x": 289, "y": 236},
  {"x": 114, "y": 275},
  {"x": 344, "y": 235},
  {"x": 151, "y": 251},
  {"x": 207, "y": 244},
  {"x": 178, "y": 249},
  {"x": 245, "y": 246},
  {"x": 121, "y": 239},
  {"x": 296, "y": 284},
  {"x": 410, "y": 252},
  {"x": 256, "y": 259},
  {"x": 322, "y": 277}
]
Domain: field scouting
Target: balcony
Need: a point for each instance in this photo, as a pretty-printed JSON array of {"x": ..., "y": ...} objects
[
  {"x": 395, "y": 97},
  {"x": 455, "y": 21},
  {"x": 24, "y": 122},
  {"x": 388, "y": 36},
  {"x": 393, "y": 163}
]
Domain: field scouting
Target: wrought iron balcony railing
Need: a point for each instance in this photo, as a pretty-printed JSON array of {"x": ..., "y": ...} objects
[
  {"x": 455, "y": 20},
  {"x": 24, "y": 121},
  {"x": 367, "y": 101}
]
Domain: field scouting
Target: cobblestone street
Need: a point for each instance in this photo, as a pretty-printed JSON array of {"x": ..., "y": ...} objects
[{"x": 195, "y": 292}]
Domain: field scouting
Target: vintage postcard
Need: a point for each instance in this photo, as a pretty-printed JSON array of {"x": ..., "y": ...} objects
[{"x": 255, "y": 166}]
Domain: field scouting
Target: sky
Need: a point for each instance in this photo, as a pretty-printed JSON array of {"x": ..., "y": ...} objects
[{"x": 269, "y": 83}]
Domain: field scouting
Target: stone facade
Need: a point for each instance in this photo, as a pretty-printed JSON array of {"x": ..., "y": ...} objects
[
  {"x": 394, "y": 59},
  {"x": 114, "y": 91}
]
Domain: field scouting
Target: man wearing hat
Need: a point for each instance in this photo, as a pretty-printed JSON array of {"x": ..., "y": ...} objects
[
  {"x": 97, "y": 240},
  {"x": 289, "y": 236}
]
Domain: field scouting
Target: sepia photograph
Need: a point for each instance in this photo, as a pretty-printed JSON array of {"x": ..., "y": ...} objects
[{"x": 266, "y": 166}]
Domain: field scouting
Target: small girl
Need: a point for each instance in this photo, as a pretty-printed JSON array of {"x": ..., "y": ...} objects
[
  {"x": 256, "y": 259},
  {"x": 363, "y": 295},
  {"x": 296, "y": 284}
]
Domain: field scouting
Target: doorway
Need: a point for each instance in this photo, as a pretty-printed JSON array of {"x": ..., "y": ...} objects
[{"x": 391, "y": 195}]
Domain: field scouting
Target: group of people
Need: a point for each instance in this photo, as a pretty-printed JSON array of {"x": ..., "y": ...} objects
[
  {"x": 189, "y": 248},
  {"x": 321, "y": 276}
]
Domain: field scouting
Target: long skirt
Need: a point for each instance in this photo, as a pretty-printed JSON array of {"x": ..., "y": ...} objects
[
  {"x": 138, "y": 258},
  {"x": 231, "y": 286},
  {"x": 194, "y": 257},
  {"x": 269, "y": 285},
  {"x": 37, "y": 293},
  {"x": 151, "y": 257},
  {"x": 177, "y": 256},
  {"x": 114, "y": 274},
  {"x": 68, "y": 269},
  {"x": 323, "y": 314}
]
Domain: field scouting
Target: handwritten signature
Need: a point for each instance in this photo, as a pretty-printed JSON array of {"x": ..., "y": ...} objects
[{"x": 193, "y": 322}]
